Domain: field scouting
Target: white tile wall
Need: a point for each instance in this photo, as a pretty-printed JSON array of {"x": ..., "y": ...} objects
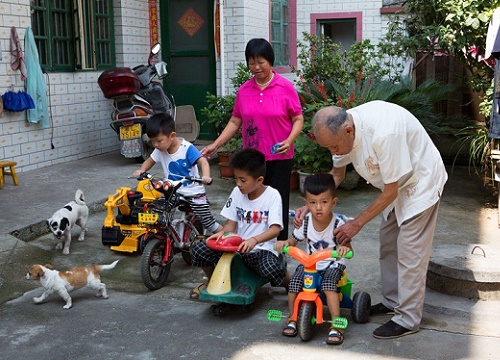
[{"x": 80, "y": 113}]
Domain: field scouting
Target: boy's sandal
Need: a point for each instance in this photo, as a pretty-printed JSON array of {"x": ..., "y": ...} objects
[
  {"x": 335, "y": 337},
  {"x": 290, "y": 328},
  {"x": 195, "y": 293}
]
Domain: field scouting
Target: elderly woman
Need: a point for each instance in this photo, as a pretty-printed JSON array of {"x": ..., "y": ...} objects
[{"x": 268, "y": 111}]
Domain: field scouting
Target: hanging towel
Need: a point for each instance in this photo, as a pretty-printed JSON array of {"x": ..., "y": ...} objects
[
  {"x": 17, "y": 61},
  {"x": 35, "y": 84}
]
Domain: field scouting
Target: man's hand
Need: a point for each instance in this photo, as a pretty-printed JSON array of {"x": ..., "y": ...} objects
[
  {"x": 346, "y": 232},
  {"x": 300, "y": 214}
]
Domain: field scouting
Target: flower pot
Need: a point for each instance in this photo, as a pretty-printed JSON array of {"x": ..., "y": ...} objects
[
  {"x": 294, "y": 181},
  {"x": 302, "y": 178},
  {"x": 224, "y": 156},
  {"x": 226, "y": 171}
]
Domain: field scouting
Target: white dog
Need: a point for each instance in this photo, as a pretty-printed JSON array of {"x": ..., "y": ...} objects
[
  {"x": 75, "y": 212},
  {"x": 62, "y": 282}
]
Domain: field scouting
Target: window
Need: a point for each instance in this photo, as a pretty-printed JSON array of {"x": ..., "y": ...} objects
[
  {"x": 341, "y": 31},
  {"x": 74, "y": 35},
  {"x": 280, "y": 32}
]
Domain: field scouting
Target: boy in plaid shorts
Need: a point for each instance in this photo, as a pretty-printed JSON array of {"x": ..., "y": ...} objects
[
  {"x": 253, "y": 211},
  {"x": 317, "y": 229}
]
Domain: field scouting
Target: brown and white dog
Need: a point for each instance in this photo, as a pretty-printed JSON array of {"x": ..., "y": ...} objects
[{"x": 62, "y": 282}]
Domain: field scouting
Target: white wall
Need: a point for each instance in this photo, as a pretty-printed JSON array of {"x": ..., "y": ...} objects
[{"x": 80, "y": 113}]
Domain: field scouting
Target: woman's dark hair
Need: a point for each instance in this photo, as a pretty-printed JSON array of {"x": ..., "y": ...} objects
[
  {"x": 259, "y": 47},
  {"x": 160, "y": 123},
  {"x": 250, "y": 160},
  {"x": 316, "y": 184}
]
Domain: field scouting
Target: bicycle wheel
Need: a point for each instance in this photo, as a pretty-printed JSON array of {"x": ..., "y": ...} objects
[
  {"x": 153, "y": 272},
  {"x": 192, "y": 237},
  {"x": 361, "y": 304},
  {"x": 305, "y": 325}
]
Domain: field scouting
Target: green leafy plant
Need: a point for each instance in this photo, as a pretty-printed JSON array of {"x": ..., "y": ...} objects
[
  {"x": 309, "y": 157},
  {"x": 219, "y": 109}
]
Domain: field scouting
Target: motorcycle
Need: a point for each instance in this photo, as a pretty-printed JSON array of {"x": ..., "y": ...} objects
[{"x": 136, "y": 97}]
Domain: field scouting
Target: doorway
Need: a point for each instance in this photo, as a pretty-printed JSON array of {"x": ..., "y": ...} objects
[{"x": 188, "y": 49}]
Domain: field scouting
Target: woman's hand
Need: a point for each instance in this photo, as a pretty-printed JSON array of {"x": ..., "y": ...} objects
[
  {"x": 284, "y": 147},
  {"x": 209, "y": 150}
]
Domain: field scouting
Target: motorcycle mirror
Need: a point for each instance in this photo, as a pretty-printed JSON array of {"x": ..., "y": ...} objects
[{"x": 155, "y": 49}]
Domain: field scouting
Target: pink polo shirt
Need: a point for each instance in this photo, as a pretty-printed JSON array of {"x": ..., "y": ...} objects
[{"x": 267, "y": 114}]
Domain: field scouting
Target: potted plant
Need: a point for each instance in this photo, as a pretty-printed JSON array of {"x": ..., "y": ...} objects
[{"x": 310, "y": 158}]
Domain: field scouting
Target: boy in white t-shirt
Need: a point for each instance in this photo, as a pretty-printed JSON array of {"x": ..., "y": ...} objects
[
  {"x": 178, "y": 157},
  {"x": 253, "y": 211},
  {"x": 317, "y": 229}
]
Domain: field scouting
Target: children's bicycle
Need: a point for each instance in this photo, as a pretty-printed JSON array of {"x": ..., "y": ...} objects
[
  {"x": 166, "y": 234},
  {"x": 308, "y": 306}
]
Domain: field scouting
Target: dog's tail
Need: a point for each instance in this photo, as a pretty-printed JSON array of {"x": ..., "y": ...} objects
[
  {"x": 107, "y": 267},
  {"x": 79, "y": 197}
]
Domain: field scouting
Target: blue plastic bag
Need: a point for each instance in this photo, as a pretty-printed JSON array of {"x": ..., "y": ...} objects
[{"x": 17, "y": 101}]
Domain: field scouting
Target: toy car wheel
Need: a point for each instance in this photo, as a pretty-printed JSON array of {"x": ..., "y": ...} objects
[
  {"x": 154, "y": 271},
  {"x": 247, "y": 308},
  {"x": 360, "y": 311},
  {"x": 217, "y": 310},
  {"x": 305, "y": 324}
]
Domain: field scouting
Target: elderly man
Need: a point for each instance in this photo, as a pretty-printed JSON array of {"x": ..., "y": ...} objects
[{"x": 391, "y": 150}]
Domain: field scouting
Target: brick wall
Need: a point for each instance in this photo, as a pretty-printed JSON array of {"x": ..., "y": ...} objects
[{"x": 80, "y": 114}]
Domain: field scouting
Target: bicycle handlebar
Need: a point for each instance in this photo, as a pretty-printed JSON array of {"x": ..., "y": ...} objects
[{"x": 310, "y": 260}]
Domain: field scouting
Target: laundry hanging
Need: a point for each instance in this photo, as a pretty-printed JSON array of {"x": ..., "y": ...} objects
[
  {"x": 35, "y": 84},
  {"x": 17, "y": 56},
  {"x": 17, "y": 101}
]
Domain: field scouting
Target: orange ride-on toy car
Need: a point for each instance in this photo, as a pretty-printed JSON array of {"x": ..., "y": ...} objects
[
  {"x": 308, "y": 306},
  {"x": 121, "y": 230}
]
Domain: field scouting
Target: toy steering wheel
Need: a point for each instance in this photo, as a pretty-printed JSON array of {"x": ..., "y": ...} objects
[{"x": 228, "y": 242}]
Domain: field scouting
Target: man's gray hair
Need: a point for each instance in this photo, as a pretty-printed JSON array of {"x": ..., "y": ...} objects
[{"x": 332, "y": 117}]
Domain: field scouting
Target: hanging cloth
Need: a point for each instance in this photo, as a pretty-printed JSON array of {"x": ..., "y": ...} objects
[
  {"x": 17, "y": 61},
  {"x": 35, "y": 84}
]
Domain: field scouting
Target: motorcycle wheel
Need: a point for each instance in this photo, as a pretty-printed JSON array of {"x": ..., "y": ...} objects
[
  {"x": 305, "y": 325},
  {"x": 193, "y": 235},
  {"x": 154, "y": 274}
]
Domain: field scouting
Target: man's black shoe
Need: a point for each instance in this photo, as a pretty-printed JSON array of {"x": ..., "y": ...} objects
[
  {"x": 391, "y": 330},
  {"x": 380, "y": 309}
]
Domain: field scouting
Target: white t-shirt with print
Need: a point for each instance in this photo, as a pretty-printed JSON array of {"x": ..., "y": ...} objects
[
  {"x": 255, "y": 216},
  {"x": 319, "y": 240},
  {"x": 182, "y": 162}
]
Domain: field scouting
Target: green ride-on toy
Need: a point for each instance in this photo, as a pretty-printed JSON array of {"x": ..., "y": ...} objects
[{"x": 232, "y": 282}]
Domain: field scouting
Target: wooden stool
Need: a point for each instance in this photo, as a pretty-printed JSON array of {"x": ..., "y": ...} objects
[{"x": 12, "y": 172}]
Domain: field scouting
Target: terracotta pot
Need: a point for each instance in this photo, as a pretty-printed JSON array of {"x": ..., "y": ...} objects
[
  {"x": 226, "y": 172},
  {"x": 294, "y": 181},
  {"x": 224, "y": 156}
]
